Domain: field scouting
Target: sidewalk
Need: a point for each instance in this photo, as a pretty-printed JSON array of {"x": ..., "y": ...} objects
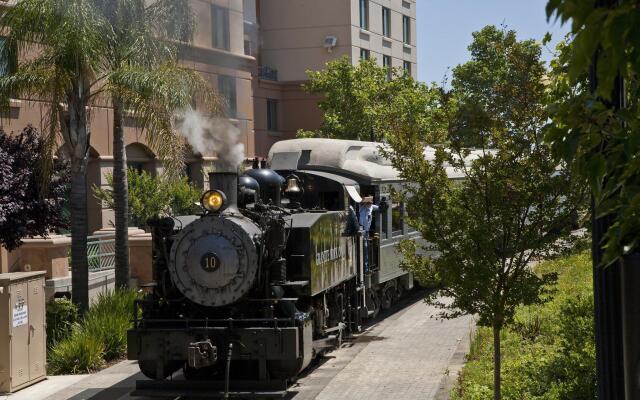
[
  {"x": 409, "y": 356},
  {"x": 109, "y": 384}
]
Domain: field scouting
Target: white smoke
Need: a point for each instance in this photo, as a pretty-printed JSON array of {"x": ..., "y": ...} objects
[{"x": 212, "y": 135}]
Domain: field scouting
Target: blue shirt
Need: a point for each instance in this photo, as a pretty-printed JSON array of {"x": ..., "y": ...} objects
[{"x": 365, "y": 216}]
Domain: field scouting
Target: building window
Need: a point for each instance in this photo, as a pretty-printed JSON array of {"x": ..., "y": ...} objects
[
  {"x": 386, "y": 63},
  {"x": 364, "y": 14},
  {"x": 406, "y": 65},
  {"x": 406, "y": 29},
  {"x": 364, "y": 54},
  {"x": 247, "y": 46},
  {"x": 227, "y": 89},
  {"x": 188, "y": 171},
  {"x": 386, "y": 21},
  {"x": 220, "y": 27},
  {"x": 7, "y": 66},
  {"x": 272, "y": 114}
]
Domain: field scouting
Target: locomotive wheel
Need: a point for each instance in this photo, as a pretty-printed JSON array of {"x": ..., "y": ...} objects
[
  {"x": 373, "y": 303},
  {"x": 399, "y": 292},
  {"x": 387, "y": 298},
  {"x": 157, "y": 370}
]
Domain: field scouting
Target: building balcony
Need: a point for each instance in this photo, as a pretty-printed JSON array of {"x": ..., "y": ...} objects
[{"x": 268, "y": 73}]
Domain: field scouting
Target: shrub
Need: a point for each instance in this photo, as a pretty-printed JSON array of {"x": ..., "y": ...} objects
[
  {"x": 78, "y": 354},
  {"x": 574, "y": 367},
  {"x": 100, "y": 337},
  {"x": 150, "y": 196},
  {"x": 62, "y": 314},
  {"x": 108, "y": 319},
  {"x": 549, "y": 352},
  {"x": 184, "y": 195},
  {"x": 30, "y": 205}
]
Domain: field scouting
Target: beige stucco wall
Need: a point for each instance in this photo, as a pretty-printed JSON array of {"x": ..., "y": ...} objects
[
  {"x": 373, "y": 39},
  {"x": 296, "y": 110},
  {"x": 293, "y": 33}
]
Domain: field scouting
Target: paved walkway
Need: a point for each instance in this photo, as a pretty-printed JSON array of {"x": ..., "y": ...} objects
[{"x": 409, "y": 355}]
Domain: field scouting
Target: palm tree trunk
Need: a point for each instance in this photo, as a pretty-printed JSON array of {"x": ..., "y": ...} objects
[
  {"x": 120, "y": 197},
  {"x": 79, "y": 222},
  {"x": 79, "y": 233},
  {"x": 497, "y": 395},
  {"x": 78, "y": 137}
]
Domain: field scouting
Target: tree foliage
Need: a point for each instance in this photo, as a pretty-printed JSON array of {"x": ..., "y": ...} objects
[
  {"x": 151, "y": 196},
  {"x": 500, "y": 90},
  {"x": 512, "y": 203},
  {"x": 601, "y": 143},
  {"x": 27, "y": 209},
  {"x": 358, "y": 99}
]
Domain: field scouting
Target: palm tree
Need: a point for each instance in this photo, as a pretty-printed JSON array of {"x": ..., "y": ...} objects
[
  {"x": 143, "y": 78},
  {"x": 65, "y": 49},
  {"x": 75, "y": 61}
]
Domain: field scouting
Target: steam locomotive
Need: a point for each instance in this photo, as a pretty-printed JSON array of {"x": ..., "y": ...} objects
[{"x": 272, "y": 272}]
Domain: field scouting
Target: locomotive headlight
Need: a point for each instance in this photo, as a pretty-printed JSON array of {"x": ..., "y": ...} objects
[{"x": 213, "y": 200}]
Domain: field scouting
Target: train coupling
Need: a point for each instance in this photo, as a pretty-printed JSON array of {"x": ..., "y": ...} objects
[{"x": 201, "y": 354}]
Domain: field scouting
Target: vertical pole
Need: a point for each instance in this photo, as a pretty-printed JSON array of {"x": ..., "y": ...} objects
[
  {"x": 630, "y": 278},
  {"x": 607, "y": 282}
]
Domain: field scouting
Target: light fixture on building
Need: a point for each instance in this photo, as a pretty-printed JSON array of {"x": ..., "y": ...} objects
[{"x": 330, "y": 42}]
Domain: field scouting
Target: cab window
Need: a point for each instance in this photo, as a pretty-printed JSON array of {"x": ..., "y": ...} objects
[{"x": 397, "y": 219}]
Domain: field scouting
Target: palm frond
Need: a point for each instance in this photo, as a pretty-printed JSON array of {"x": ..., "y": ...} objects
[
  {"x": 171, "y": 19},
  {"x": 38, "y": 79},
  {"x": 155, "y": 97},
  {"x": 69, "y": 29}
]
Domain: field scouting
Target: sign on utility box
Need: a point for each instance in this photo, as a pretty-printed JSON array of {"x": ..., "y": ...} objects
[{"x": 22, "y": 330}]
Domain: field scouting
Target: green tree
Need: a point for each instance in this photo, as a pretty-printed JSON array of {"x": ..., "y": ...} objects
[
  {"x": 357, "y": 99},
  {"x": 512, "y": 203},
  {"x": 599, "y": 142},
  {"x": 150, "y": 196},
  {"x": 63, "y": 39},
  {"x": 142, "y": 76}
]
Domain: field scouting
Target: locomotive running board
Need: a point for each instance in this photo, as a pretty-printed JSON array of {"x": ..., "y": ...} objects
[{"x": 210, "y": 389}]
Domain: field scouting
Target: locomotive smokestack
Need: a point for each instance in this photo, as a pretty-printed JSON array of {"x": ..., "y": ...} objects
[{"x": 227, "y": 182}]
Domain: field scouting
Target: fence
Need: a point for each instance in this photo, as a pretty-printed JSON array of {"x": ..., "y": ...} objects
[{"x": 101, "y": 253}]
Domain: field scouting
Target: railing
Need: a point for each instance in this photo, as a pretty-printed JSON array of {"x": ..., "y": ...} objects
[
  {"x": 101, "y": 252},
  {"x": 265, "y": 72}
]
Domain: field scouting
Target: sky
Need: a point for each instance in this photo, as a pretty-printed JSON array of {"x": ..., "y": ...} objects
[{"x": 445, "y": 27}]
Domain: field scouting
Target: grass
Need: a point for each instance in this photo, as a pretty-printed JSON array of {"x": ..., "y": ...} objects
[
  {"x": 548, "y": 353},
  {"x": 97, "y": 339}
]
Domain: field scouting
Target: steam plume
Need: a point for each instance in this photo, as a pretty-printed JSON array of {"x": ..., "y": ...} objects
[{"x": 212, "y": 135}]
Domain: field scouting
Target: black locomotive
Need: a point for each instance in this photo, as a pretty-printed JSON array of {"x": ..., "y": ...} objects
[{"x": 269, "y": 275}]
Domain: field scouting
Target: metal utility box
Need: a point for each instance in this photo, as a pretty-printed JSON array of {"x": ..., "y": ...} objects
[{"x": 22, "y": 330}]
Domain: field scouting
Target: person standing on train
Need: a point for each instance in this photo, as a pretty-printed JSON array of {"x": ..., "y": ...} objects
[{"x": 367, "y": 208}]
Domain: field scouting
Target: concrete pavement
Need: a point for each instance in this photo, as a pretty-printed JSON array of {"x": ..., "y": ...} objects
[{"x": 408, "y": 355}]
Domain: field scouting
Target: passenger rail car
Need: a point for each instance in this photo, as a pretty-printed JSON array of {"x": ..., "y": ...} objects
[{"x": 273, "y": 271}]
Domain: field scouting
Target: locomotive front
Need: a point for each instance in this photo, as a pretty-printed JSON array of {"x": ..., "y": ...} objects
[
  {"x": 214, "y": 260},
  {"x": 213, "y": 300}
]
